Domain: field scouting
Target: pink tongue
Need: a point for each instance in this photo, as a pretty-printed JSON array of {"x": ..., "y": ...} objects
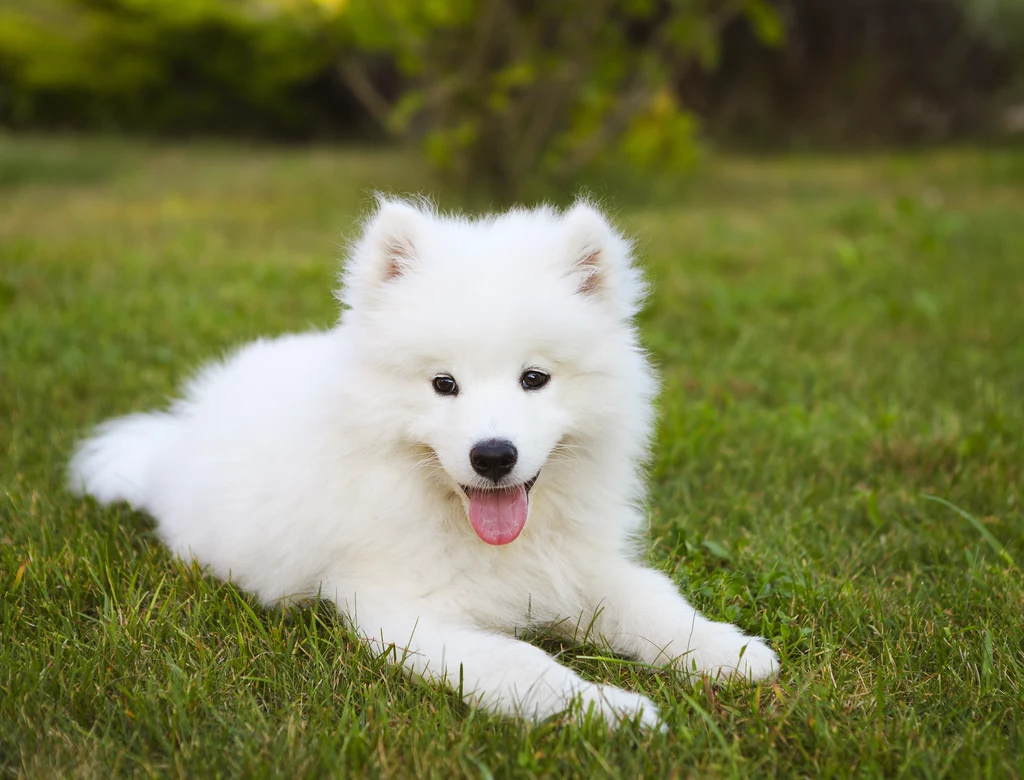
[{"x": 498, "y": 516}]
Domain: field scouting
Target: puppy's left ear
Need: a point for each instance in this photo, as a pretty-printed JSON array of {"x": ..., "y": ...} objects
[{"x": 601, "y": 259}]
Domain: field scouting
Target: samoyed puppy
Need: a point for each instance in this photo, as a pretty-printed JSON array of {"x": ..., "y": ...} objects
[{"x": 458, "y": 459}]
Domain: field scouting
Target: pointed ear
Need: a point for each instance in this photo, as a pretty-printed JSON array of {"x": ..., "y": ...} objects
[
  {"x": 386, "y": 251},
  {"x": 600, "y": 259}
]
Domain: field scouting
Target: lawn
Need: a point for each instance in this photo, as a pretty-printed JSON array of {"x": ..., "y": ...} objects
[{"x": 839, "y": 467}]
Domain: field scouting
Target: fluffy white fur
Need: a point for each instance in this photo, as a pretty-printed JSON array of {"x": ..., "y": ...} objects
[{"x": 325, "y": 463}]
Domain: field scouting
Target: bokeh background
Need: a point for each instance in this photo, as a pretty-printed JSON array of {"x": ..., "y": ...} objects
[{"x": 509, "y": 95}]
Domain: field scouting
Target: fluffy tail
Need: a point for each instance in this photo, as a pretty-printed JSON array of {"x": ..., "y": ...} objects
[{"x": 114, "y": 463}]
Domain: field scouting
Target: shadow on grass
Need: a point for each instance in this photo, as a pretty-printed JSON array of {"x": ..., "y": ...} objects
[{"x": 61, "y": 162}]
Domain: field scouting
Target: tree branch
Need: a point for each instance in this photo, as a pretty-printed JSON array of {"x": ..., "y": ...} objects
[{"x": 355, "y": 79}]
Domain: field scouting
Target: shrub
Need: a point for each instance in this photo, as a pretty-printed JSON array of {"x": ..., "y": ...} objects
[
  {"x": 506, "y": 92},
  {"x": 165, "y": 65}
]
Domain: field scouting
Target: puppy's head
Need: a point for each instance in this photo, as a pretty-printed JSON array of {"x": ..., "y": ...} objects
[{"x": 501, "y": 348}]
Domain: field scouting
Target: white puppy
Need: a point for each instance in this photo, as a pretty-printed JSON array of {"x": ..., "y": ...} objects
[{"x": 458, "y": 459}]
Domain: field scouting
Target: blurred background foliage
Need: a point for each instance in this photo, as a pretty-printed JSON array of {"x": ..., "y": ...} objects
[
  {"x": 504, "y": 93},
  {"x": 503, "y": 90}
]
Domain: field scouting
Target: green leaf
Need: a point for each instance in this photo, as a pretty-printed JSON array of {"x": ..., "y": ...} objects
[
  {"x": 717, "y": 549},
  {"x": 766, "y": 22},
  {"x": 405, "y": 109}
]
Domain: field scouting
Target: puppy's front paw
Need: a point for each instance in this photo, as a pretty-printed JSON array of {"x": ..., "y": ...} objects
[
  {"x": 616, "y": 706},
  {"x": 757, "y": 661},
  {"x": 726, "y": 653}
]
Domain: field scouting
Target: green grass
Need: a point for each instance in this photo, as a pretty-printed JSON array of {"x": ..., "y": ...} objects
[{"x": 839, "y": 467}]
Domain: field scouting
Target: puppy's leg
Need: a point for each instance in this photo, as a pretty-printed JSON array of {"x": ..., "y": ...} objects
[
  {"x": 639, "y": 612},
  {"x": 495, "y": 672}
]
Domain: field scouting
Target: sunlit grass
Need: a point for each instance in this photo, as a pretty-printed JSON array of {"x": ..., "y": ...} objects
[{"x": 838, "y": 467}]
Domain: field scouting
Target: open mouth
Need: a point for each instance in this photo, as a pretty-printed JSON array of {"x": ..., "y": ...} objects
[{"x": 498, "y": 514}]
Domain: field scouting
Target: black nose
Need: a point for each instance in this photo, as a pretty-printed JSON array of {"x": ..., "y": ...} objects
[{"x": 493, "y": 458}]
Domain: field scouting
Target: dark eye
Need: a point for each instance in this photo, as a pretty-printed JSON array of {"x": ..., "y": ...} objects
[
  {"x": 533, "y": 379},
  {"x": 445, "y": 385}
]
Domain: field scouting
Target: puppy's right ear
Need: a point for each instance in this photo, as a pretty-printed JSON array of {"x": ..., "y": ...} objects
[{"x": 385, "y": 252}]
